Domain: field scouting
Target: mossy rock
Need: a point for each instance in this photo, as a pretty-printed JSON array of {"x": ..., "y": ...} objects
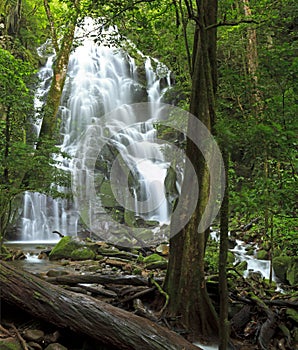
[
  {"x": 82, "y": 253},
  {"x": 129, "y": 218},
  {"x": 242, "y": 266},
  {"x": 231, "y": 258},
  {"x": 262, "y": 255},
  {"x": 292, "y": 272},
  {"x": 153, "y": 258},
  {"x": 64, "y": 248},
  {"x": 137, "y": 271},
  {"x": 250, "y": 251},
  {"x": 107, "y": 195},
  {"x": 145, "y": 235},
  {"x": 295, "y": 335},
  {"x": 292, "y": 314},
  {"x": 10, "y": 344},
  {"x": 281, "y": 265},
  {"x": 156, "y": 265}
]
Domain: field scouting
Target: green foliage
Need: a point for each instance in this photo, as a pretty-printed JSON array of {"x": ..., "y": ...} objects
[
  {"x": 25, "y": 28},
  {"x": 261, "y": 133},
  {"x": 21, "y": 166}
]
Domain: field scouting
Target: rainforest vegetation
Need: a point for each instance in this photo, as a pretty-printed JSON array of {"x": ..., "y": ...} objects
[{"x": 234, "y": 66}]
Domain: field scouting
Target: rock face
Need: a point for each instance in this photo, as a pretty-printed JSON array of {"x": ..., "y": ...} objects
[{"x": 286, "y": 269}]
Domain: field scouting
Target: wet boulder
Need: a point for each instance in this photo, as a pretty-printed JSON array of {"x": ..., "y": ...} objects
[
  {"x": 64, "y": 248},
  {"x": 286, "y": 269}
]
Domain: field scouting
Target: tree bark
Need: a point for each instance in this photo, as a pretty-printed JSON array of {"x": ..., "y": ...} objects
[
  {"x": 86, "y": 315},
  {"x": 185, "y": 280},
  {"x": 224, "y": 327},
  {"x": 49, "y": 127}
]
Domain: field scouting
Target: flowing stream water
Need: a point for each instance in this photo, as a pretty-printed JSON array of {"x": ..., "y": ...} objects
[{"x": 100, "y": 79}]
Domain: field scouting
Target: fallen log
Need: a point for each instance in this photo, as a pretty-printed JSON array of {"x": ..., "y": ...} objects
[
  {"x": 101, "y": 279},
  {"x": 86, "y": 315}
]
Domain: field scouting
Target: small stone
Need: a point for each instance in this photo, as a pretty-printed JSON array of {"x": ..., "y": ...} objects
[
  {"x": 55, "y": 346},
  {"x": 56, "y": 273},
  {"x": 33, "y": 335},
  {"x": 34, "y": 345},
  {"x": 163, "y": 249}
]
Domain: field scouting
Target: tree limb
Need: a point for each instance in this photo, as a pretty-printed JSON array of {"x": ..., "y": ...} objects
[
  {"x": 52, "y": 25},
  {"x": 231, "y": 24}
]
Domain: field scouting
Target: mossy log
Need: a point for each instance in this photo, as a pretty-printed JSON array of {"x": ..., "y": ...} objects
[
  {"x": 102, "y": 279},
  {"x": 86, "y": 315}
]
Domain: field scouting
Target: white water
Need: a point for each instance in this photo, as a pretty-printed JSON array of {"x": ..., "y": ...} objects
[
  {"x": 100, "y": 79},
  {"x": 253, "y": 264}
]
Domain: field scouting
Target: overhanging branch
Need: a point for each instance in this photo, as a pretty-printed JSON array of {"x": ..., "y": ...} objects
[{"x": 221, "y": 24}]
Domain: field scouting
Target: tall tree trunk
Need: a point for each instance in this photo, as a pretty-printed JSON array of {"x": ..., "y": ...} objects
[
  {"x": 224, "y": 327},
  {"x": 185, "y": 280},
  {"x": 49, "y": 125},
  {"x": 252, "y": 61}
]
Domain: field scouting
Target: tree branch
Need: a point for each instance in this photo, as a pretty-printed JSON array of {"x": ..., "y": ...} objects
[
  {"x": 52, "y": 25},
  {"x": 221, "y": 24}
]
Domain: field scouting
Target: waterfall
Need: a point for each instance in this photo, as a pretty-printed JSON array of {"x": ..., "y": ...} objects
[{"x": 100, "y": 79}]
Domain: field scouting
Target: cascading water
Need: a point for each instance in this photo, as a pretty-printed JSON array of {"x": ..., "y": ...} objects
[{"x": 100, "y": 79}]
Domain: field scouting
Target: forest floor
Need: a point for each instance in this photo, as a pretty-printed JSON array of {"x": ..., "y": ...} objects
[{"x": 261, "y": 317}]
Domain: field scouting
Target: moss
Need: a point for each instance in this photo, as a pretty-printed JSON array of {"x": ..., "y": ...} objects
[
  {"x": 82, "y": 253},
  {"x": 292, "y": 272},
  {"x": 156, "y": 265},
  {"x": 153, "y": 258},
  {"x": 231, "y": 257},
  {"x": 99, "y": 257},
  {"x": 9, "y": 344},
  {"x": 280, "y": 266},
  {"x": 64, "y": 248},
  {"x": 242, "y": 266},
  {"x": 262, "y": 255},
  {"x": 137, "y": 271},
  {"x": 129, "y": 218},
  {"x": 107, "y": 195},
  {"x": 292, "y": 314}
]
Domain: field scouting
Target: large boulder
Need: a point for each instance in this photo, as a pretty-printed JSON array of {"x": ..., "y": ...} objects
[
  {"x": 292, "y": 272},
  {"x": 64, "y": 248},
  {"x": 286, "y": 269}
]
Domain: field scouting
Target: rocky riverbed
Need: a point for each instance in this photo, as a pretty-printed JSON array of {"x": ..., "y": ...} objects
[{"x": 99, "y": 269}]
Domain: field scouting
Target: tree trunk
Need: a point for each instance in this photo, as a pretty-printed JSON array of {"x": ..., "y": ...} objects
[
  {"x": 252, "y": 62},
  {"x": 49, "y": 125},
  {"x": 224, "y": 327},
  {"x": 185, "y": 280},
  {"x": 86, "y": 315}
]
